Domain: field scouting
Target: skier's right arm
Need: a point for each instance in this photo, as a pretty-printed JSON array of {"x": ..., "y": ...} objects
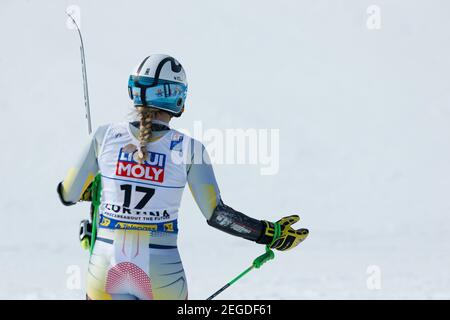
[
  {"x": 80, "y": 176},
  {"x": 205, "y": 190}
]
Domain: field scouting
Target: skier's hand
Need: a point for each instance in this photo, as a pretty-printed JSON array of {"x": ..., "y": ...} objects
[
  {"x": 289, "y": 237},
  {"x": 87, "y": 194},
  {"x": 85, "y": 244},
  {"x": 85, "y": 234}
]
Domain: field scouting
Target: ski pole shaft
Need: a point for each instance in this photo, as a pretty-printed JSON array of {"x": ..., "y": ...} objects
[
  {"x": 230, "y": 283},
  {"x": 84, "y": 73},
  {"x": 257, "y": 263}
]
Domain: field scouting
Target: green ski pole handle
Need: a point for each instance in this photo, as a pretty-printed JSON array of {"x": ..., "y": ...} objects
[
  {"x": 96, "y": 194},
  {"x": 257, "y": 263}
]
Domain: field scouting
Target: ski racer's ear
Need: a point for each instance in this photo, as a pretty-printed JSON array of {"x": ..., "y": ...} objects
[{"x": 289, "y": 237}]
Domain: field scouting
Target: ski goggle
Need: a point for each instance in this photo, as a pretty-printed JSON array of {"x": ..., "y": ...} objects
[{"x": 164, "y": 94}]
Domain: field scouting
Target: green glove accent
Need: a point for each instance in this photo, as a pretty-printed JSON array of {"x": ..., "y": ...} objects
[{"x": 269, "y": 255}]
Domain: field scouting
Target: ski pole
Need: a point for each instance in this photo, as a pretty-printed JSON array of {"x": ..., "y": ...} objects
[
  {"x": 96, "y": 183},
  {"x": 257, "y": 263},
  {"x": 83, "y": 70}
]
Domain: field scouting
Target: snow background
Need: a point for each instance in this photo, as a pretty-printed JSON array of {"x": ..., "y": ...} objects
[{"x": 363, "y": 118}]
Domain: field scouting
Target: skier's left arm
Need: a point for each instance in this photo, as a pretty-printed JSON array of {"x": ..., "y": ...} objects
[
  {"x": 204, "y": 188},
  {"x": 75, "y": 185}
]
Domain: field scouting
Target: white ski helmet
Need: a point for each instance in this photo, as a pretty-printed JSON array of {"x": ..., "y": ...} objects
[{"x": 159, "y": 82}]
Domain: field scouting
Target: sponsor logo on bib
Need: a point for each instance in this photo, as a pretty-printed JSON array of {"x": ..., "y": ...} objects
[{"x": 151, "y": 170}]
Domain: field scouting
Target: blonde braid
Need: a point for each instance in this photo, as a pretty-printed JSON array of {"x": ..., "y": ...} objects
[{"x": 145, "y": 131}]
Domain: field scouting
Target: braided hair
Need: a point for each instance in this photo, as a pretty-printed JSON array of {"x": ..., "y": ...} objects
[{"x": 145, "y": 115}]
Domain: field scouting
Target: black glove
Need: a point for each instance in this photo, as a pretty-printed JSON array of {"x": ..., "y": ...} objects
[{"x": 289, "y": 237}]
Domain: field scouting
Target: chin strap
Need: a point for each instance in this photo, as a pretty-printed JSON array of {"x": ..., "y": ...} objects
[
  {"x": 155, "y": 126},
  {"x": 257, "y": 263}
]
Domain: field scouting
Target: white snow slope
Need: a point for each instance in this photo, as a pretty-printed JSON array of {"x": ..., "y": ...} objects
[{"x": 364, "y": 126}]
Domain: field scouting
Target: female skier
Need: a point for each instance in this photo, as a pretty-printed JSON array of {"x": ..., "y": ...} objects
[{"x": 144, "y": 166}]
